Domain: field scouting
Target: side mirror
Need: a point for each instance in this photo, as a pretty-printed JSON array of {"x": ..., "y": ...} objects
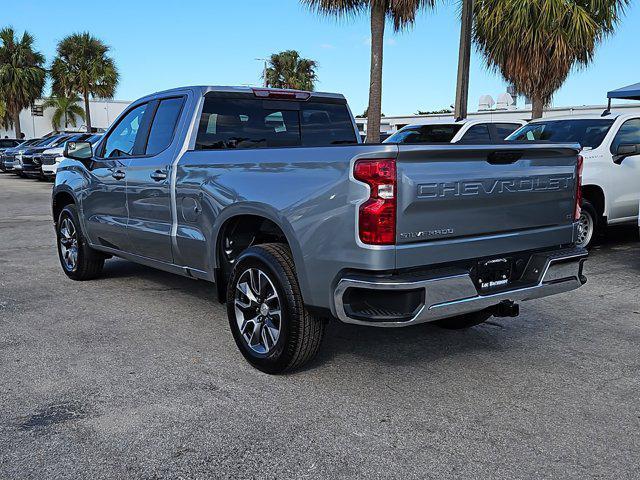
[
  {"x": 78, "y": 150},
  {"x": 625, "y": 150}
]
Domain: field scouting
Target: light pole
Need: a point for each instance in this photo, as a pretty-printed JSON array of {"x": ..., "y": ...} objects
[
  {"x": 464, "y": 59},
  {"x": 264, "y": 70}
]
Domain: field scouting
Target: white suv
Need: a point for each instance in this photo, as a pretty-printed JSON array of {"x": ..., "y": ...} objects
[
  {"x": 463, "y": 131},
  {"x": 611, "y": 152}
]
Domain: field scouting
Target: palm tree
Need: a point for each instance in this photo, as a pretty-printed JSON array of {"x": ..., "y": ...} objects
[
  {"x": 535, "y": 44},
  {"x": 66, "y": 109},
  {"x": 288, "y": 70},
  {"x": 401, "y": 12},
  {"x": 22, "y": 74},
  {"x": 4, "y": 117},
  {"x": 82, "y": 67}
]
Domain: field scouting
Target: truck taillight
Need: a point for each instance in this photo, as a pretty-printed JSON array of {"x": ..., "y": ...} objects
[
  {"x": 377, "y": 216},
  {"x": 578, "y": 207}
]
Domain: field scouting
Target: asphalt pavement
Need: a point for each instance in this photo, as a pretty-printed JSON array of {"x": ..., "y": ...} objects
[{"x": 136, "y": 375}]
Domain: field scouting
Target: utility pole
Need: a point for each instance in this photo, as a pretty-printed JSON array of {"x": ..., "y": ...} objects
[
  {"x": 264, "y": 70},
  {"x": 464, "y": 59}
]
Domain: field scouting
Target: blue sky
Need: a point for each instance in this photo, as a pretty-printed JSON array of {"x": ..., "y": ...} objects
[{"x": 161, "y": 44}]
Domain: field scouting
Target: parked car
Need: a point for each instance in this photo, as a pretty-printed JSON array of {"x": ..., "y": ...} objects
[
  {"x": 463, "y": 131},
  {"x": 383, "y": 137},
  {"x": 611, "y": 177},
  {"x": 51, "y": 158},
  {"x": 8, "y": 143},
  {"x": 269, "y": 194},
  {"x": 7, "y": 157},
  {"x": 28, "y": 162}
]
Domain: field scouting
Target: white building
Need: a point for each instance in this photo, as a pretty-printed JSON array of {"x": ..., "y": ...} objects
[
  {"x": 394, "y": 123},
  {"x": 35, "y": 122}
]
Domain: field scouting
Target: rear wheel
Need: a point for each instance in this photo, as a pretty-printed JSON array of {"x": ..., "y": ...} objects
[
  {"x": 467, "y": 320},
  {"x": 78, "y": 260},
  {"x": 268, "y": 319},
  {"x": 587, "y": 224}
]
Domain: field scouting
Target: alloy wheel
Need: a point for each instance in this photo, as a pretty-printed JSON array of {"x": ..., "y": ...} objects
[
  {"x": 258, "y": 310},
  {"x": 585, "y": 229},
  {"x": 69, "y": 244}
]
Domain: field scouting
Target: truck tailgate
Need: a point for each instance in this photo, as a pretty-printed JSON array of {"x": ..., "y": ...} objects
[{"x": 464, "y": 201}]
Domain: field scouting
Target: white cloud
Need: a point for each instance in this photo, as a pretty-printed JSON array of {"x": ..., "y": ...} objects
[{"x": 327, "y": 46}]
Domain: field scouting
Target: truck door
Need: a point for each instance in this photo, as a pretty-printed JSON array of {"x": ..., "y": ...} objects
[
  {"x": 625, "y": 176},
  {"x": 149, "y": 183},
  {"x": 104, "y": 203}
]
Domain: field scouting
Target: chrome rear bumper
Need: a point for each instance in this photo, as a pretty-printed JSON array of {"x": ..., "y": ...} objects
[{"x": 451, "y": 293}]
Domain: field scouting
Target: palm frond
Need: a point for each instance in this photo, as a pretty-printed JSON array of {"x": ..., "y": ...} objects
[{"x": 535, "y": 44}]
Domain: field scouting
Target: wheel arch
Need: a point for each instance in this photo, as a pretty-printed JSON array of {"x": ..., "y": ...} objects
[
  {"x": 269, "y": 225},
  {"x": 595, "y": 195},
  {"x": 61, "y": 199}
]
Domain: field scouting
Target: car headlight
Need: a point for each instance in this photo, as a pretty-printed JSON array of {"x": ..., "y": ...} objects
[
  {"x": 59, "y": 159},
  {"x": 19, "y": 156}
]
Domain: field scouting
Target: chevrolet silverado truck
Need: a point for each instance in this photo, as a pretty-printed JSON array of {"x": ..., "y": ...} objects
[
  {"x": 611, "y": 178},
  {"x": 270, "y": 195}
]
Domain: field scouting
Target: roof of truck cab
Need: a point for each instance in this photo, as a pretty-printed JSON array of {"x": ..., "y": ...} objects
[{"x": 204, "y": 89}]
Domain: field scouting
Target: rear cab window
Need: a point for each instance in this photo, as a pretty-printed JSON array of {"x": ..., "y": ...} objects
[{"x": 244, "y": 123}]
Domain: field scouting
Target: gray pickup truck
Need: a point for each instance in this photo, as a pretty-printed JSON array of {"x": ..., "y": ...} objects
[{"x": 270, "y": 195}]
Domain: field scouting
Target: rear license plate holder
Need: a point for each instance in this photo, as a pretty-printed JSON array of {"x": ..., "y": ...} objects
[{"x": 493, "y": 274}]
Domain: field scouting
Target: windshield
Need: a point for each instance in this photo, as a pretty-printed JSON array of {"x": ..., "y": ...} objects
[
  {"x": 30, "y": 143},
  {"x": 49, "y": 141},
  {"x": 586, "y": 132},
  {"x": 425, "y": 134}
]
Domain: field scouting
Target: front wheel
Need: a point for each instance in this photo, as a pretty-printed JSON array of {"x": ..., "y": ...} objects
[
  {"x": 270, "y": 324},
  {"x": 587, "y": 224},
  {"x": 78, "y": 260}
]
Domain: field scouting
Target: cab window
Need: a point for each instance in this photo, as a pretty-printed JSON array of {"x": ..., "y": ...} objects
[
  {"x": 503, "y": 130},
  {"x": 629, "y": 133},
  {"x": 164, "y": 125},
  {"x": 477, "y": 134},
  {"x": 122, "y": 138}
]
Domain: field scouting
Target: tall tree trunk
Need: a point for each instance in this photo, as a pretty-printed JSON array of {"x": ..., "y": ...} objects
[
  {"x": 16, "y": 123},
  {"x": 537, "y": 107},
  {"x": 464, "y": 59},
  {"x": 87, "y": 110},
  {"x": 378, "y": 11}
]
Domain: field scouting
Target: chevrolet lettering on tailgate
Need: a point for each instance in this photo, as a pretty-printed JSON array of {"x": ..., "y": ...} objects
[{"x": 484, "y": 187}]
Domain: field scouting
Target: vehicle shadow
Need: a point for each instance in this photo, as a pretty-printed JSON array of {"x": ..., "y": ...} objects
[
  {"x": 417, "y": 344},
  {"x": 620, "y": 248},
  {"x": 162, "y": 281},
  {"x": 420, "y": 344}
]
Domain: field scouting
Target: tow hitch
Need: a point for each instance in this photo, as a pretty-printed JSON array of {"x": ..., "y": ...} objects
[{"x": 507, "y": 308}]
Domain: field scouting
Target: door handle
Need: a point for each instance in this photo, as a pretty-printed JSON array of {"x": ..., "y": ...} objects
[
  {"x": 159, "y": 175},
  {"x": 118, "y": 174}
]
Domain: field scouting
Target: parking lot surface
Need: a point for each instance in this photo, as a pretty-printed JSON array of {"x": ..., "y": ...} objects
[{"x": 136, "y": 375}]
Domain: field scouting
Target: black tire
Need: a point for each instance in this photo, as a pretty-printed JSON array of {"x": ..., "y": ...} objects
[
  {"x": 88, "y": 262},
  {"x": 467, "y": 320},
  {"x": 588, "y": 225},
  {"x": 299, "y": 332}
]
